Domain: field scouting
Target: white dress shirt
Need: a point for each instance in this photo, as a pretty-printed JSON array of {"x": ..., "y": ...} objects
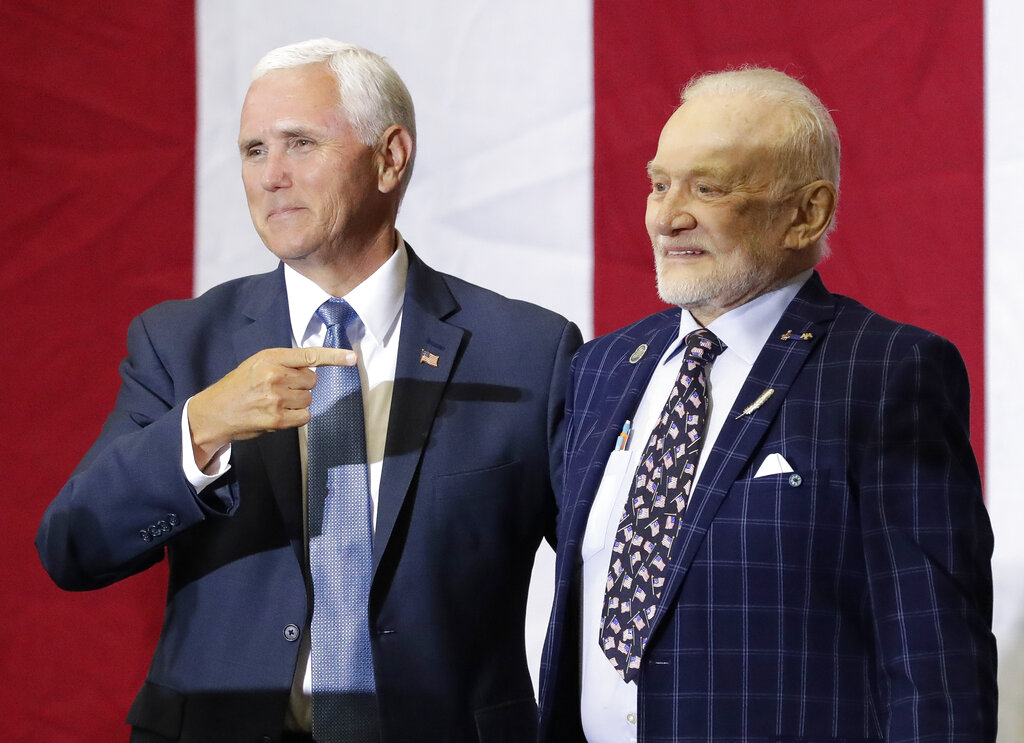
[
  {"x": 374, "y": 337},
  {"x": 609, "y": 705}
]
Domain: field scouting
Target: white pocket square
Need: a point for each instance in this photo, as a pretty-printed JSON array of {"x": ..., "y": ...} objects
[{"x": 773, "y": 464}]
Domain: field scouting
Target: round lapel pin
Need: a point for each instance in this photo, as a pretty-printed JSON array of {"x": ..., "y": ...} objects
[{"x": 638, "y": 353}]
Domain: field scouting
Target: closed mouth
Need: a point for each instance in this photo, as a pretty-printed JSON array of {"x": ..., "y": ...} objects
[{"x": 283, "y": 211}]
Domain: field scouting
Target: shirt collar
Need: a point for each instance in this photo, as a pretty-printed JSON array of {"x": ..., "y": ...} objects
[
  {"x": 745, "y": 329},
  {"x": 377, "y": 300}
]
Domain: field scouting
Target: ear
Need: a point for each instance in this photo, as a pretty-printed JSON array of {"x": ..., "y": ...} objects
[
  {"x": 814, "y": 209},
  {"x": 394, "y": 152}
]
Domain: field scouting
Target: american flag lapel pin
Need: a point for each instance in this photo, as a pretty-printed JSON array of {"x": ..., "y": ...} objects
[{"x": 428, "y": 358}]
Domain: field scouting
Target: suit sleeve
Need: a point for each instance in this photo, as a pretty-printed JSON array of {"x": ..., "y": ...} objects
[
  {"x": 928, "y": 546},
  {"x": 129, "y": 495},
  {"x": 570, "y": 341}
]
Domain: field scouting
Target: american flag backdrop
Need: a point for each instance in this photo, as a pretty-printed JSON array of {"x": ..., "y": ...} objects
[{"x": 536, "y": 120}]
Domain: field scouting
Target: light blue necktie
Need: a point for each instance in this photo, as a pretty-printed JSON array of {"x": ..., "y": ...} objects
[{"x": 340, "y": 544}]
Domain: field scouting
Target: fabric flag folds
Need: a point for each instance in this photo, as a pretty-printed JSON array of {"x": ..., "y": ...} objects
[{"x": 536, "y": 121}]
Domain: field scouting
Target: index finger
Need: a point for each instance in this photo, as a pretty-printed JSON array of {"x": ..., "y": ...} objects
[{"x": 313, "y": 356}]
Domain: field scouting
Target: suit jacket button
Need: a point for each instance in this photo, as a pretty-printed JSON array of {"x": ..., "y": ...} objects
[
  {"x": 146, "y": 536},
  {"x": 172, "y": 519},
  {"x": 795, "y": 480},
  {"x": 291, "y": 632},
  {"x": 155, "y": 530},
  {"x": 163, "y": 526}
]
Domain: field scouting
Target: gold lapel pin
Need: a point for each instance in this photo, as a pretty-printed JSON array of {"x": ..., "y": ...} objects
[
  {"x": 638, "y": 353},
  {"x": 789, "y": 334},
  {"x": 761, "y": 400},
  {"x": 428, "y": 358}
]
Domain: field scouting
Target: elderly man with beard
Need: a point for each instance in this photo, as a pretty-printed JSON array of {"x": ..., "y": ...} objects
[{"x": 773, "y": 526}]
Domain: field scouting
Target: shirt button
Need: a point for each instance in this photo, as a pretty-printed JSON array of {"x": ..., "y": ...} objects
[
  {"x": 795, "y": 480},
  {"x": 291, "y": 632},
  {"x": 631, "y": 718}
]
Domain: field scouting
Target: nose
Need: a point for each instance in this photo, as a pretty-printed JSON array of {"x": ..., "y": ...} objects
[
  {"x": 275, "y": 173},
  {"x": 670, "y": 213}
]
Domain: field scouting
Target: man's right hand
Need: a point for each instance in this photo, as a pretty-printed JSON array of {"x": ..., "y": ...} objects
[{"x": 269, "y": 391}]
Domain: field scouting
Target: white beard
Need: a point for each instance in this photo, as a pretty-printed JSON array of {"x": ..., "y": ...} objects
[{"x": 738, "y": 280}]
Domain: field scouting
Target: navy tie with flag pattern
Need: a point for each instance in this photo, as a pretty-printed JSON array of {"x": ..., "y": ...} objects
[
  {"x": 642, "y": 549},
  {"x": 340, "y": 546}
]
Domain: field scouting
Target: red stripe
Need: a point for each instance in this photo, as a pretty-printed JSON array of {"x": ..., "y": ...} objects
[
  {"x": 904, "y": 81},
  {"x": 99, "y": 123},
  {"x": 99, "y": 114}
]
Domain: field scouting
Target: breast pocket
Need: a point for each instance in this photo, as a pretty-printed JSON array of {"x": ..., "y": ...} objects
[
  {"x": 606, "y": 510},
  {"x": 477, "y": 508},
  {"x": 788, "y": 521}
]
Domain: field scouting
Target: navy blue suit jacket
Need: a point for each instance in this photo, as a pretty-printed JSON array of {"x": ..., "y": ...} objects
[
  {"x": 849, "y": 602},
  {"x": 466, "y": 495}
]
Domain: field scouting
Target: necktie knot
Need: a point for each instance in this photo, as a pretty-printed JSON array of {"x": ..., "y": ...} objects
[
  {"x": 336, "y": 311},
  {"x": 702, "y": 345}
]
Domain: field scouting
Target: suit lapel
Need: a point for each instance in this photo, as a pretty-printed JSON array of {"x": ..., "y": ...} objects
[
  {"x": 775, "y": 368},
  {"x": 607, "y": 390},
  {"x": 620, "y": 389},
  {"x": 427, "y": 349},
  {"x": 265, "y": 304}
]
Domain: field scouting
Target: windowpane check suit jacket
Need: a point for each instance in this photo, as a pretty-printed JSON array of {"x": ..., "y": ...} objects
[
  {"x": 472, "y": 450},
  {"x": 849, "y": 600}
]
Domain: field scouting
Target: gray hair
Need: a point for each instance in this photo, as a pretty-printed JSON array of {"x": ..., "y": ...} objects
[
  {"x": 810, "y": 150},
  {"x": 373, "y": 96}
]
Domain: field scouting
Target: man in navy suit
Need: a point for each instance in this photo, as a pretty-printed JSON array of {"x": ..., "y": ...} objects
[
  {"x": 826, "y": 576},
  {"x": 204, "y": 458}
]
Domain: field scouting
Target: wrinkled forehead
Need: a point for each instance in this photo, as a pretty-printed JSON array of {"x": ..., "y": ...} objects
[
  {"x": 306, "y": 95},
  {"x": 739, "y": 115},
  {"x": 308, "y": 87},
  {"x": 733, "y": 130}
]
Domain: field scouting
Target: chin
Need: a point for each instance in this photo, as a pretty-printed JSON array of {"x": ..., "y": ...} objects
[
  {"x": 681, "y": 287},
  {"x": 709, "y": 290},
  {"x": 286, "y": 250}
]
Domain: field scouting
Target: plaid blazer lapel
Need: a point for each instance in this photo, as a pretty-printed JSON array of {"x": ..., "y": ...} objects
[
  {"x": 605, "y": 391},
  {"x": 612, "y": 383},
  {"x": 803, "y": 325}
]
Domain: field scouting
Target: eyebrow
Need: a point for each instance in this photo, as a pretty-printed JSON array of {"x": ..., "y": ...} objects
[
  {"x": 698, "y": 172},
  {"x": 293, "y": 132},
  {"x": 249, "y": 143},
  {"x": 289, "y": 132}
]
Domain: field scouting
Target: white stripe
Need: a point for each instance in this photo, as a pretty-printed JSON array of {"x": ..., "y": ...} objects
[
  {"x": 502, "y": 192},
  {"x": 1004, "y": 348}
]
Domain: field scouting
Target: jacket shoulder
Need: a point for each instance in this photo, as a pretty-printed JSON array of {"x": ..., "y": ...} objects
[
  {"x": 515, "y": 316},
  {"x": 629, "y": 337},
  {"x": 857, "y": 329},
  {"x": 234, "y": 298}
]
